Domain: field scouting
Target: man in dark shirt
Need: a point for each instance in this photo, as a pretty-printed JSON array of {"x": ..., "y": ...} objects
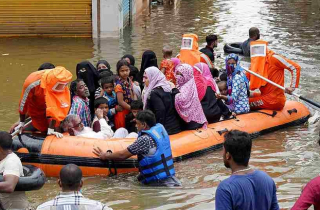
[
  {"x": 254, "y": 34},
  {"x": 246, "y": 188},
  {"x": 212, "y": 42}
]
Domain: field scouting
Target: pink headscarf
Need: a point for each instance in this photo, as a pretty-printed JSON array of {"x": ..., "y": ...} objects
[
  {"x": 187, "y": 102},
  {"x": 156, "y": 79},
  {"x": 175, "y": 61},
  {"x": 205, "y": 71},
  {"x": 201, "y": 83}
]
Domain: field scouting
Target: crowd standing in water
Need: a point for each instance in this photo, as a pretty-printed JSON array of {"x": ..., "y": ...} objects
[{"x": 149, "y": 104}]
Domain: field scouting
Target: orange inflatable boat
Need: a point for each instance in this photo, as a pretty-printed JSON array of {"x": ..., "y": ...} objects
[{"x": 51, "y": 153}]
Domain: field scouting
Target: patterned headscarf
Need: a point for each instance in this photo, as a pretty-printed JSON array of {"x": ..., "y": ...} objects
[
  {"x": 156, "y": 79},
  {"x": 187, "y": 102},
  {"x": 232, "y": 70}
]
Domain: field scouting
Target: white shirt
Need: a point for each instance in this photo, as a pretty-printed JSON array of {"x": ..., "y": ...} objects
[
  {"x": 105, "y": 133},
  {"x": 11, "y": 165}
]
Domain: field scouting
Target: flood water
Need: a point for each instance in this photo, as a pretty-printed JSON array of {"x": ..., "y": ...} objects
[{"x": 290, "y": 156}]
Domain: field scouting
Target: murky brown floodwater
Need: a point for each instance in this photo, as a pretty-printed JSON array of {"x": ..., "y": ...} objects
[{"x": 290, "y": 156}]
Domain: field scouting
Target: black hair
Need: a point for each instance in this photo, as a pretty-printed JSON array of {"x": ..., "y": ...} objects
[
  {"x": 147, "y": 116},
  {"x": 223, "y": 77},
  {"x": 214, "y": 72},
  {"x": 5, "y": 140},
  {"x": 107, "y": 80},
  {"x": 134, "y": 73},
  {"x": 121, "y": 63},
  {"x": 73, "y": 86},
  {"x": 254, "y": 32},
  {"x": 46, "y": 66},
  {"x": 70, "y": 177},
  {"x": 99, "y": 101},
  {"x": 136, "y": 104},
  {"x": 211, "y": 38},
  {"x": 105, "y": 73},
  {"x": 238, "y": 144}
]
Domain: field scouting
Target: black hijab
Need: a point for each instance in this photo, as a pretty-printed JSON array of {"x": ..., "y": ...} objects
[
  {"x": 105, "y": 63},
  {"x": 131, "y": 58},
  {"x": 90, "y": 75},
  {"x": 149, "y": 59}
]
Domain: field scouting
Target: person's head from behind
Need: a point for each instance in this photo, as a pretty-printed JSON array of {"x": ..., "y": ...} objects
[
  {"x": 103, "y": 65},
  {"x": 254, "y": 33},
  {"x": 70, "y": 178},
  {"x": 223, "y": 87},
  {"x": 72, "y": 124},
  {"x": 212, "y": 41},
  {"x": 123, "y": 69},
  {"x": 236, "y": 148},
  {"x": 107, "y": 84},
  {"x": 46, "y": 66},
  {"x": 214, "y": 72},
  {"x": 223, "y": 77},
  {"x": 136, "y": 106},
  {"x": 79, "y": 88},
  {"x": 101, "y": 103},
  {"x": 5, "y": 142},
  {"x": 134, "y": 74},
  {"x": 145, "y": 120},
  {"x": 167, "y": 52}
]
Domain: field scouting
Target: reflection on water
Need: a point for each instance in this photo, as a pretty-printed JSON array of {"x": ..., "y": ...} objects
[{"x": 290, "y": 156}]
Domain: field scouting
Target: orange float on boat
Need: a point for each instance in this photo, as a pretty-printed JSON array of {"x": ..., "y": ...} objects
[{"x": 51, "y": 153}]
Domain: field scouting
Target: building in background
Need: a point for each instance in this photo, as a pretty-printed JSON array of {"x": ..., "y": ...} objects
[{"x": 68, "y": 18}]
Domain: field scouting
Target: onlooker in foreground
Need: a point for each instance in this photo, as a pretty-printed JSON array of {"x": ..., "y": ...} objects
[
  {"x": 159, "y": 100},
  {"x": 70, "y": 181},
  {"x": 154, "y": 152},
  {"x": 136, "y": 106},
  {"x": 167, "y": 65},
  {"x": 246, "y": 188},
  {"x": 310, "y": 195},
  {"x": 186, "y": 100},
  {"x": 11, "y": 169},
  {"x": 212, "y": 42},
  {"x": 80, "y": 101},
  {"x": 254, "y": 34}
]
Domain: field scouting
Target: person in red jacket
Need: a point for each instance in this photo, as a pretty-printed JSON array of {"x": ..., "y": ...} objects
[
  {"x": 271, "y": 66},
  {"x": 46, "y": 99}
]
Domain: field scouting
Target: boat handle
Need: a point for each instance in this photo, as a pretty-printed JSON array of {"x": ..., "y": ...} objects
[
  {"x": 223, "y": 131},
  {"x": 292, "y": 110}
]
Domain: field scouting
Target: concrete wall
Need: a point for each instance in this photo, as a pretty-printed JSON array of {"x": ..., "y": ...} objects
[{"x": 107, "y": 17}]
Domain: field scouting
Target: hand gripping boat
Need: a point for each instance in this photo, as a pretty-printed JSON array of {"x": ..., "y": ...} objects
[{"x": 51, "y": 153}]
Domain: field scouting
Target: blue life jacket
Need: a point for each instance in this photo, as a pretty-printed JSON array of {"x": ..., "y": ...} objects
[{"x": 158, "y": 166}]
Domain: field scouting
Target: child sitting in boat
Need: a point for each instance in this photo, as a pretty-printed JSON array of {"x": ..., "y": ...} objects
[
  {"x": 107, "y": 91},
  {"x": 224, "y": 92},
  {"x": 167, "y": 66},
  {"x": 134, "y": 77},
  {"x": 237, "y": 86},
  {"x": 101, "y": 103},
  {"x": 136, "y": 106}
]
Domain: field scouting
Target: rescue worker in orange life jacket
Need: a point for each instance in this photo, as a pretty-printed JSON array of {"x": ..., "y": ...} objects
[
  {"x": 271, "y": 66},
  {"x": 153, "y": 150},
  {"x": 46, "y": 99},
  {"x": 189, "y": 52}
]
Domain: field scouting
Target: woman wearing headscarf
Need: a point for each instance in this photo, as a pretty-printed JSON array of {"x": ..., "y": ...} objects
[
  {"x": 88, "y": 73},
  {"x": 213, "y": 108},
  {"x": 206, "y": 73},
  {"x": 237, "y": 86},
  {"x": 103, "y": 66},
  {"x": 149, "y": 59},
  {"x": 159, "y": 100},
  {"x": 130, "y": 59},
  {"x": 187, "y": 101}
]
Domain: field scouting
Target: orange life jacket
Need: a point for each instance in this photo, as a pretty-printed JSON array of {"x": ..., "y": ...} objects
[{"x": 189, "y": 52}]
